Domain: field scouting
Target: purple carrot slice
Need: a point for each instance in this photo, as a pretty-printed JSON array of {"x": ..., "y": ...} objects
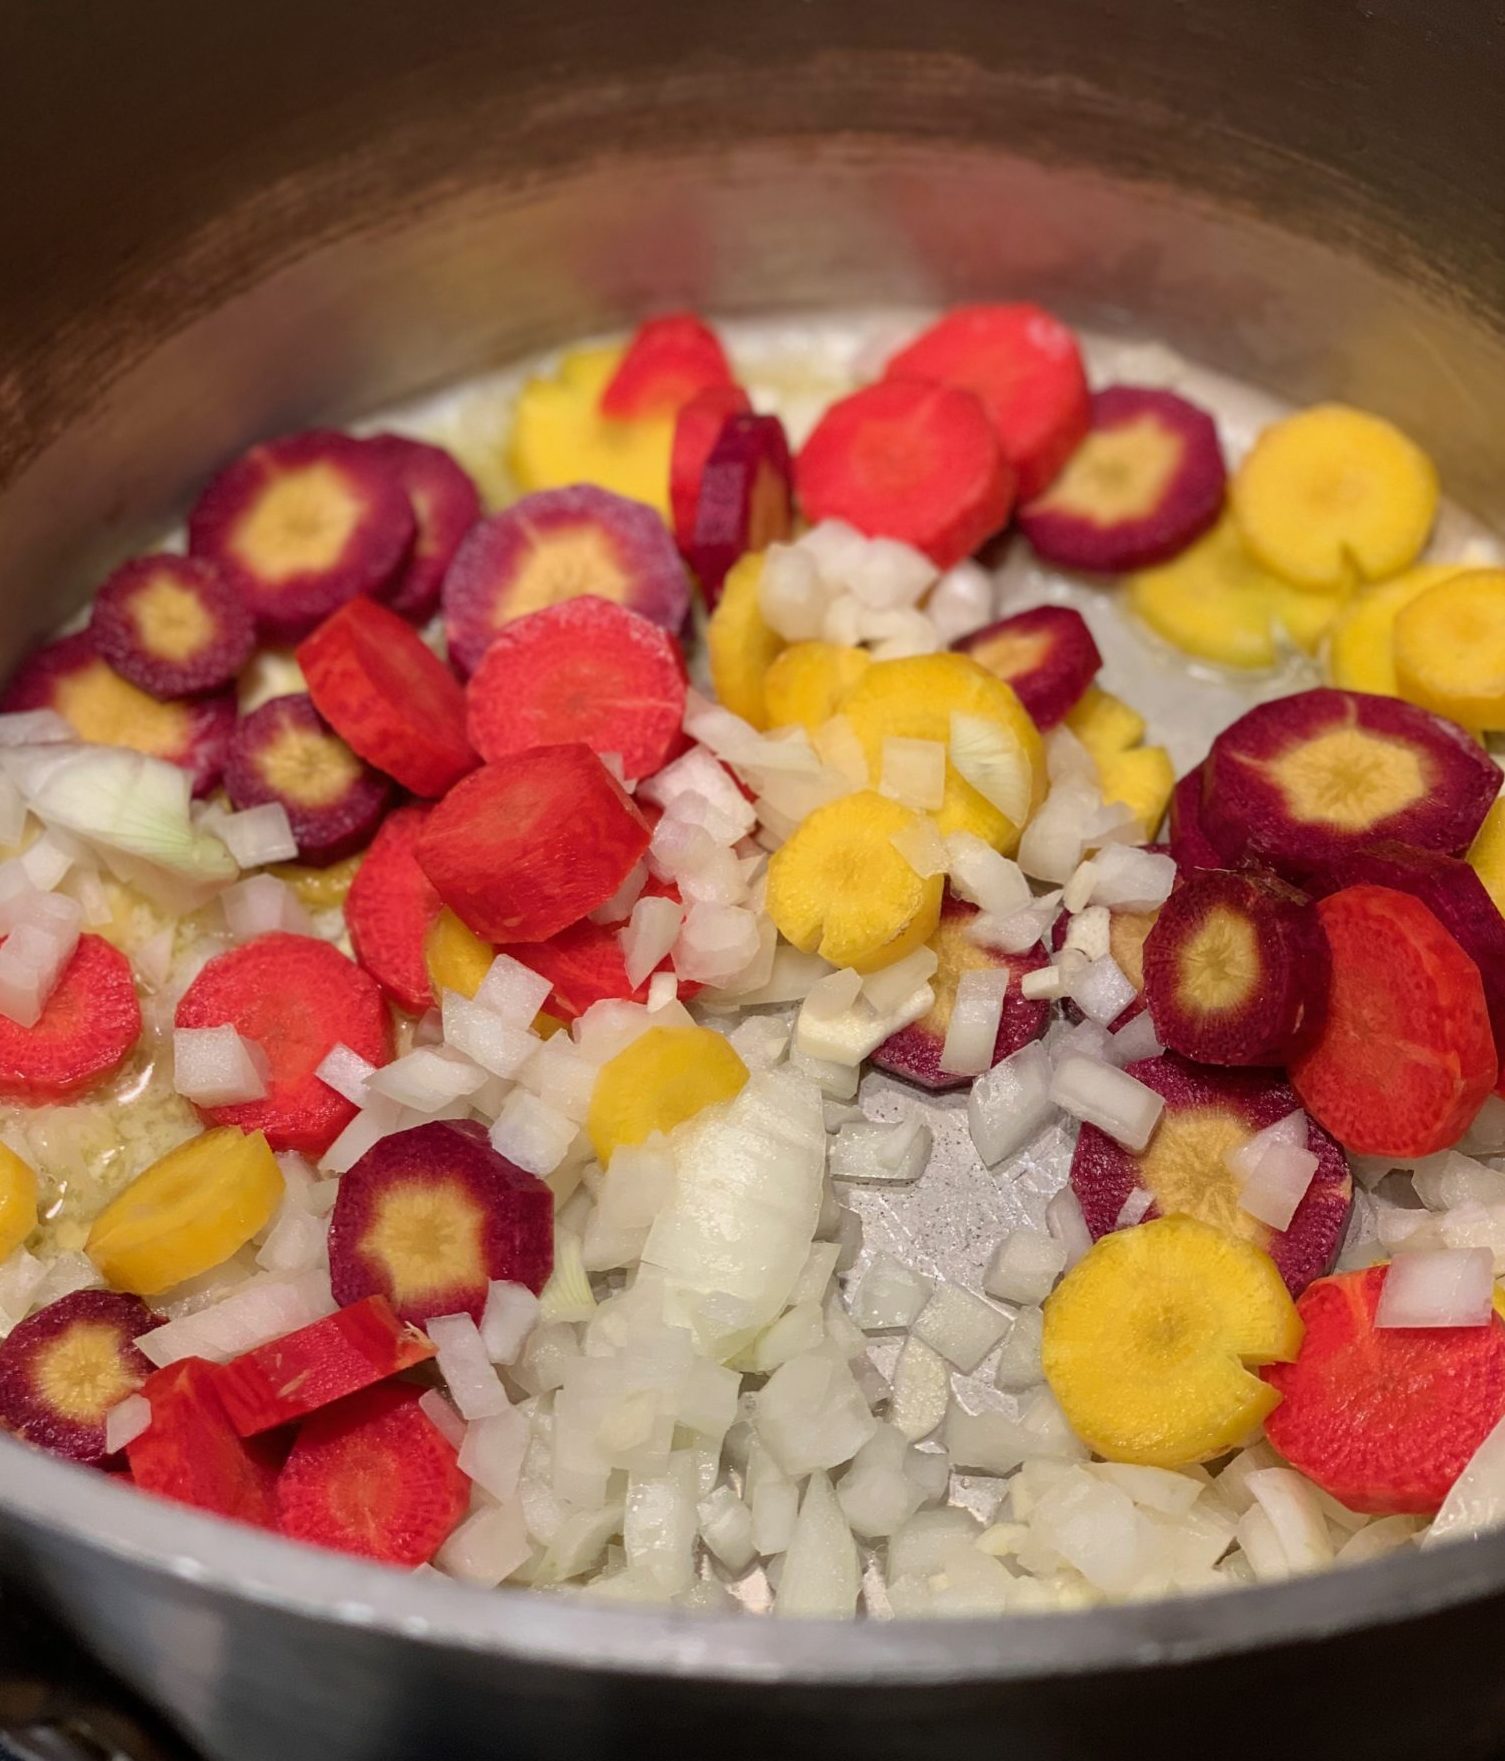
[
  {"x": 1299, "y": 783},
  {"x": 286, "y": 752},
  {"x": 745, "y": 500},
  {"x": 555, "y": 545},
  {"x": 1207, "y": 1113},
  {"x": 1236, "y": 969},
  {"x": 64, "y": 1368},
  {"x": 302, "y": 524},
  {"x": 445, "y": 503},
  {"x": 172, "y": 625},
  {"x": 1147, "y": 480},
  {"x": 1046, "y": 653}
]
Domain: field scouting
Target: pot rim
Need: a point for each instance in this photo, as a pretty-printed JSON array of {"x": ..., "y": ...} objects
[{"x": 229, "y": 1558}]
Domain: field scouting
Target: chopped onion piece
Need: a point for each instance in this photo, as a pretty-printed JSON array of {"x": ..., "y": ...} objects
[
  {"x": 885, "y": 574},
  {"x": 442, "y": 1416},
  {"x": 217, "y": 1067},
  {"x": 1290, "y": 1502},
  {"x": 35, "y": 727},
  {"x": 961, "y": 601},
  {"x": 1044, "y": 984},
  {"x": 1024, "y": 1267},
  {"x": 493, "y": 1450},
  {"x": 890, "y": 987},
  {"x": 922, "y": 847},
  {"x": 994, "y": 762},
  {"x": 1064, "y": 1220},
  {"x": 790, "y": 979},
  {"x": 1444, "y": 1287},
  {"x": 375, "y": 1121},
  {"x": 822, "y": 1572},
  {"x": 853, "y": 1035},
  {"x": 1019, "y": 1361},
  {"x": 889, "y": 1296},
  {"x": 490, "y": 1545},
  {"x": 486, "y": 1037},
  {"x": 1134, "y": 1208},
  {"x": 258, "y": 835},
  {"x": 296, "y": 1242},
  {"x": 710, "y": 793},
  {"x": 1136, "y": 1040},
  {"x": 914, "y": 773},
  {"x": 839, "y": 749},
  {"x": 347, "y": 1073},
  {"x": 531, "y": 1135},
  {"x": 649, "y": 935},
  {"x": 1127, "y": 879},
  {"x": 510, "y": 1315},
  {"x": 125, "y": 1421},
  {"x": 1110, "y": 1099},
  {"x": 960, "y": 1326},
  {"x": 513, "y": 991},
  {"x": 716, "y": 943},
  {"x": 1052, "y": 843},
  {"x": 791, "y": 594},
  {"x": 834, "y": 994},
  {"x": 1273, "y": 1191},
  {"x": 984, "y": 877},
  {"x": 1009, "y": 1104},
  {"x": 619, "y": 906},
  {"x": 465, "y": 1367},
  {"x": 1476, "y": 1501},
  {"x": 425, "y": 1079},
  {"x": 972, "y": 1032},
  {"x": 888, "y": 1155},
  {"x": 261, "y": 1309},
  {"x": 1100, "y": 990},
  {"x": 261, "y": 905}
]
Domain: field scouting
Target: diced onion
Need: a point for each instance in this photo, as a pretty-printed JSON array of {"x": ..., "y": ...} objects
[
  {"x": 261, "y": 1309},
  {"x": 493, "y": 1450},
  {"x": 531, "y": 1135},
  {"x": 426, "y": 1079},
  {"x": 716, "y": 943},
  {"x": 889, "y": 1155},
  {"x": 972, "y": 1032},
  {"x": 347, "y": 1073},
  {"x": 513, "y": 991},
  {"x": 1273, "y": 1191},
  {"x": 1064, "y": 1220},
  {"x": 1476, "y": 1501},
  {"x": 619, "y": 906},
  {"x": 991, "y": 758},
  {"x": 217, "y": 1067},
  {"x": 261, "y": 905},
  {"x": 1127, "y": 879},
  {"x": 1100, "y": 990},
  {"x": 1136, "y": 1040},
  {"x": 791, "y": 595},
  {"x": 649, "y": 935},
  {"x": 716, "y": 803},
  {"x": 125, "y": 1421},
  {"x": 1444, "y": 1287},
  {"x": 465, "y": 1367},
  {"x": 1010, "y": 1103},
  {"x": 488, "y": 1546},
  {"x": 258, "y": 835},
  {"x": 914, "y": 773},
  {"x": 35, "y": 727},
  {"x": 442, "y": 1416},
  {"x": 1052, "y": 842},
  {"x": 961, "y": 601},
  {"x": 510, "y": 1315},
  {"x": 922, "y": 847},
  {"x": 1025, "y": 1266},
  {"x": 985, "y": 878},
  {"x": 1110, "y": 1099},
  {"x": 890, "y": 987},
  {"x": 1134, "y": 1208},
  {"x": 486, "y": 1037},
  {"x": 885, "y": 574}
]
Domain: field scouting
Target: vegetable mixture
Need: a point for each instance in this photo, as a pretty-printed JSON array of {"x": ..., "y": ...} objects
[{"x": 448, "y": 910}]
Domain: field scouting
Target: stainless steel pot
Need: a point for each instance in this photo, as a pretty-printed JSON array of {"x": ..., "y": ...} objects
[{"x": 219, "y": 221}]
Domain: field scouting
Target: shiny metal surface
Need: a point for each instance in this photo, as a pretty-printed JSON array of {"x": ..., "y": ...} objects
[{"x": 221, "y": 220}]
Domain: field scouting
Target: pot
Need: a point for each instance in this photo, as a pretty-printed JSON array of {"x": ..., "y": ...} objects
[{"x": 224, "y": 221}]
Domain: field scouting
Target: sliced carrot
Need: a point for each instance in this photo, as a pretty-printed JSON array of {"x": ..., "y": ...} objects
[
  {"x": 1026, "y": 368},
  {"x": 695, "y": 431},
  {"x": 1384, "y": 1419},
  {"x": 669, "y": 360},
  {"x": 745, "y": 500},
  {"x": 584, "y": 669},
  {"x": 296, "y": 998},
  {"x": 911, "y": 461},
  {"x": 190, "y": 1452},
  {"x": 585, "y": 963},
  {"x": 1406, "y": 1056},
  {"x": 316, "y": 1365},
  {"x": 389, "y": 909},
  {"x": 388, "y": 696},
  {"x": 88, "y": 1025}
]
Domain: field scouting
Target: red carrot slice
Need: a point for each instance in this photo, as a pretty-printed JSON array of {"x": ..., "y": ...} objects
[
  {"x": 389, "y": 696},
  {"x": 555, "y": 545},
  {"x": 1146, "y": 481},
  {"x": 101, "y": 707},
  {"x": 445, "y": 503},
  {"x": 586, "y": 965},
  {"x": 285, "y": 752},
  {"x": 300, "y": 525},
  {"x": 696, "y": 430},
  {"x": 1384, "y": 1419},
  {"x": 1046, "y": 653},
  {"x": 428, "y": 1217},
  {"x": 1207, "y": 1113},
  {"x": 1026, "y": 368},
  {"x": 668, "y": 361},
  {"x": 389, "y": 908},
  {"x": 327, "y": 1360},
  {"x": 373, "y": 1476},
  {"x": 296, "y": 998},
  {"x": 521, "y": 850},
  {"x": 62, "y": 1370},
  {"x": 172, "y": 625},
  {"x": 191, "y": 1453},
  {"x": 1406, "y": 1056},
  {"x": 910, "y": 461},
  {"x": 585, "y": 670},
  {"x": 1451, "y": 891},
  {"x": 89, "y": 1024},
  {"x": 746, "y": 499}
]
